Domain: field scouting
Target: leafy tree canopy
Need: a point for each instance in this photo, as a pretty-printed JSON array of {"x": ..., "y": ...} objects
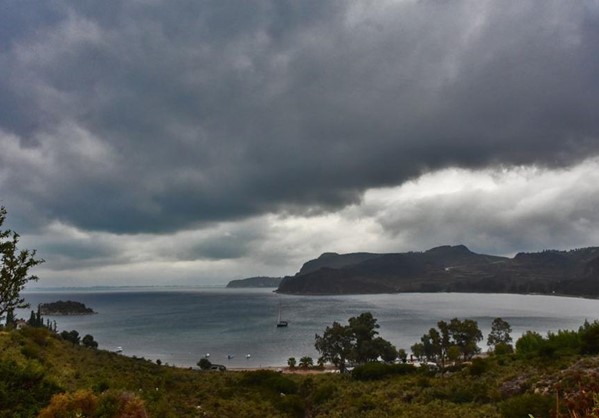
[
  {"x": 357, "y": 342},
  {"x": 14, "y": 269},
  {"x": 500, "y": 333}
]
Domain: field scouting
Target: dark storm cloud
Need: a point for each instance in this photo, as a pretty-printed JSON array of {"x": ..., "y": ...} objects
[{"x": 157, "y": 116}]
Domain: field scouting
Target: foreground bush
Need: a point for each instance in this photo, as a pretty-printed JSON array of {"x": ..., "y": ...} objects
[
  {"x": 375, "y": 370},
  {"x": 84, "y": 403},
  {"x": 527, "y": 405},
  {"x": 23, "y": 390}
]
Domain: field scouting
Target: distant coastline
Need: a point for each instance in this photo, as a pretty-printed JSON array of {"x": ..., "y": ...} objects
[
  {"x": 260, "y": 281},
  {"x": 449, "y": 269}
]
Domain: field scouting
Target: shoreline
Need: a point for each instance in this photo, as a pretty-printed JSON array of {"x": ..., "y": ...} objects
[{"x": 284, "y": 370}]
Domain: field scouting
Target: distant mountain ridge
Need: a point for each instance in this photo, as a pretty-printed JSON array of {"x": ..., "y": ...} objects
[
  {"x": 260, "y": 281},
  {"x": 449, "y": 269}
]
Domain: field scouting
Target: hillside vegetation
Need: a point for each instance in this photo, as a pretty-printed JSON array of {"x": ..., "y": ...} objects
[{"x": 556, "y": 375}]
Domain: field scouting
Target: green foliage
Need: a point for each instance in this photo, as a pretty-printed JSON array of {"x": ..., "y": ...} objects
[
  {"x": 526, "y": 405},
  {"x": 483, "y": 388},
  {"x": 291, "y": 362},
  {"x": 40, "y": 336},
  {"x": 271, "y": 381},
  {"x": 435, "y": 345},
  {"x": 375, "y": 370},
  {"x": 356, "y": 341},
  {"x": 556, "y": 344},
  {"x": 84, "y": 403},
  {"x": 502, "y": 349},
  {"x": 324, "y": 393},
  {"x": 335, "y": 345},
  {"x": 500, "y": 333},
  {"x": 23, "y": 390},
  {"x": 71, "y": 336},
  {"x": 418, "y": 351},
  {"x": 466, "y": 335},
  {"x": 89, "y": 342},
  {"x": 564, "y": 342},
  {"x": 479, "y": 366},
  {"x": 385, "y": 349},
  {"x": 306, "y": 362},
  {"x": 204, "y": 364},
  {"x": 529, "y": 343},
  {"x": 589, "y": 337},
  {"x": 14, "y": 269}
]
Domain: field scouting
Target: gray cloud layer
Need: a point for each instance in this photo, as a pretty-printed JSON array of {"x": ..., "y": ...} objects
[
  {"x": 183, "y": 125},
  {"x": 154, "y": 116}
]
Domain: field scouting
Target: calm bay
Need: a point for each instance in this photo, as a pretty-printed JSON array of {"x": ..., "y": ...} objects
[{"x": 180, "y": 325}]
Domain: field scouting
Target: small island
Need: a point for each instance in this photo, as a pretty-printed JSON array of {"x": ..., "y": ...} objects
[{"x": 68, "y": 307}]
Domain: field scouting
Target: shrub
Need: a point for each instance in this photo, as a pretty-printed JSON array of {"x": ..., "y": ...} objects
[
  {"x": 292, "y": 405},
  {"x": 589, "y": 338},
  {"x": 502, "y": 349},
  {"x": 479, "y": 366},
  {"x": 39, "y": 336},
  {"x": 323, "y": 393},
  {"x": 23, "y": 391},
  {"x": 375, "y": 370},
  {"x": 526, "y": 405},
  {"x": 272, "y": 381},
  {"x": 86, "y": 403},
  {"x": 529, "y": 343},
  {"x": 88, "y": 341}
]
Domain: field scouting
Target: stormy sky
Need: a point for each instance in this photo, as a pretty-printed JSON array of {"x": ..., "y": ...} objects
[{"x": 186, "y": 142}]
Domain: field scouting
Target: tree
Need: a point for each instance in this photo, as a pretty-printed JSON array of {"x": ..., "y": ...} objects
[
  {"x": 291, "y": 362},
  {"x": 589, "y": 336},
  {"x": 386, "y": 350},
  {"x": 14, "y": 271},
  {"x": 418, "y": 351},
  {"x": 453, "y": 353},
  {"x": 72, "y": 336},
  {"x": 10, "y": 319},
  {"x": 445, "y": 341},
  {"x": 465, "y": 335},
  {"x": 357, "y": 342},
  {"x": 529, "y": 343},
  {"x": 88, "y": 341},
  {"x": 402, "y": 355},
  {"x": 363, "y": 329},
  {"x": 306, "y": 362},
  {"x": 204, "y": 364},
  {"x": 436, "y": 345},
  {"x": 431, "y": 345},
  {"x": 32, "y": 320},
  {"x": 335, "y": 345},
  {"x": 500, "y": 333}
]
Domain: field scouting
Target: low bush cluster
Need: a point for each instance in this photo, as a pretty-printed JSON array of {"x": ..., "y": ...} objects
[{"x": 376, "y": 370}]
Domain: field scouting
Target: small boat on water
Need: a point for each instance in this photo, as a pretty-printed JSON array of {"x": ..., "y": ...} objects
[{"x": 281, "y": 323}]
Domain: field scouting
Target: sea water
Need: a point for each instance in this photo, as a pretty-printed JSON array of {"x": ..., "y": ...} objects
[{"x": 237, "y": 327}]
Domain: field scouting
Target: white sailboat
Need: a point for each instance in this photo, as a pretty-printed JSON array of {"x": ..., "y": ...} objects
[{"x": 280, "y": 323}]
